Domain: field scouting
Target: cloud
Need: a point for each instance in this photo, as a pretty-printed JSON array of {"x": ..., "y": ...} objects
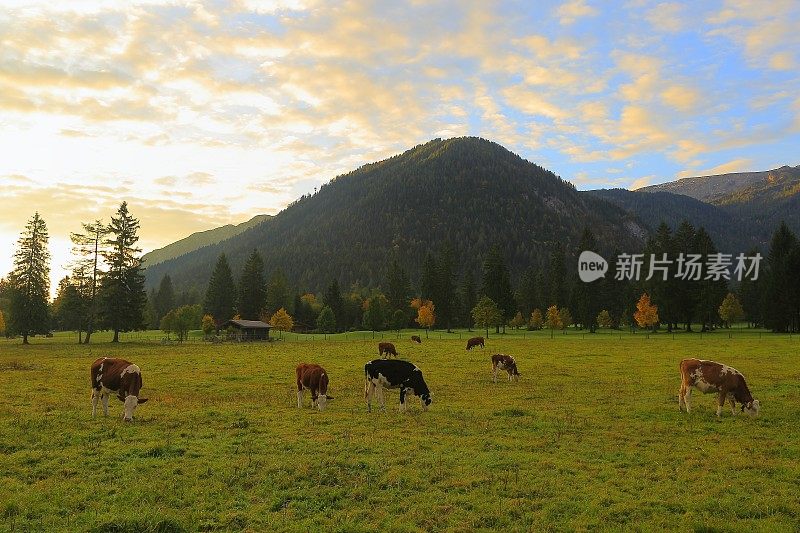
[
  {"x": 644, "y": 181},
  {"x": 736, "y": 165},
  {"x": 571, "y": 11},
  {"x": 667, "y": 17}
]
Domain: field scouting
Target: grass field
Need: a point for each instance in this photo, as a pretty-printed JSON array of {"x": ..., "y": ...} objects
[{"x": 590, "y": 438}]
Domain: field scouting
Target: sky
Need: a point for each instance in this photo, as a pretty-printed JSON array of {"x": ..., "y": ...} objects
[{"x": 203, "y": 113}]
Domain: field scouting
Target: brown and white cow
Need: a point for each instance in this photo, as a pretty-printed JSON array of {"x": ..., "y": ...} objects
[
  {"x": 120, "y": 377},
  {"x": 386, "y": 348},
  {"x": 415, "y": 338},
  {"x": 507, "y": 363},
  {"x": 475, "y": 341},
  {"x": 314, "y": 378},
  {"x": 708, "y": 377}
]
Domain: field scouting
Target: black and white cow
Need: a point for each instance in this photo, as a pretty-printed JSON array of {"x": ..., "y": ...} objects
[
  {"x": 119, "y": 377},
  {"x": 395, "y": 374}
]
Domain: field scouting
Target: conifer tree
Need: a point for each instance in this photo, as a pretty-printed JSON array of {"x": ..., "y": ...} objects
[
  {"x": 30, "y": 281},
  {"x": 122, "y": 293},
  {"x": 497, "y": 284},
  {"x": 252, "y": 288},
  {"x": 220, "y": 300},
  {"x": 88, "y": 246}
]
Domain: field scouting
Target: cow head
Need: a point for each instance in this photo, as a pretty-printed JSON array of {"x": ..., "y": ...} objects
[
  {"x": 130, "y": 405},
  {"x": 426, "y": 400},
  {"x": 322, "y": 401},
  {"x": 752, "y": 408}
]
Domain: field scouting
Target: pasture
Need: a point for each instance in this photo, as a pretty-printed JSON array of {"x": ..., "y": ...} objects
[{"x": 589, "y": 438}]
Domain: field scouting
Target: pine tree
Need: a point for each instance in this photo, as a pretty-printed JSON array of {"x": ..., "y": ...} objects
[
  {"x": 333, "y": 300},
  {"x": 428, "y": 284},
  {"x": 88, "y": 246},
  {"x": 278, "y": 293},
  {"x": 164, "y": 299},
  {"x": 30, "y": 281},
  {"x": 556, "y": 278},
  {"x": 122, "y": 293},
  {"x": 587, "y": 295},
  {"x": 69, "y": 307},
  {"x": 710, "y": 292},
  {"x": 398, "y": 287},
  {"x": 447, "y": 279},
  {"x": 497, "y": 284},
  {"x": 469, "y": 299},
  {"x": 777, "y": 302},
  {"x": 685, "y": 290},
  {"x": 220, "y": 300},
  {"x": 252, "y": 288}
]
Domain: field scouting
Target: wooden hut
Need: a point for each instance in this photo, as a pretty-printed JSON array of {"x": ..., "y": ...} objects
[{"x": 249, "y": 330}]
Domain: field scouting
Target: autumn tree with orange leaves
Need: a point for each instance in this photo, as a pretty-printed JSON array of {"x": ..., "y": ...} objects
[
  {"x": 425, "y": 315},
  {"x": 646, "y": 314}
]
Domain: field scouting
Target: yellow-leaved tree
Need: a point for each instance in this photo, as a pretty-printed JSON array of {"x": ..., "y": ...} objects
[
  {"x": 536, "y": 319},
  {"x": 282, "y": 321},
  {"x": 552, "y": 320},
  {"x": 646, "y": 314},
  {"x": 208, "y": 325},
  {"x": 425, "y": 315},
  {"x": 604, "y": 319},
  {"x": 517, "y": 321},
  {"x": 731, "y": 310}
]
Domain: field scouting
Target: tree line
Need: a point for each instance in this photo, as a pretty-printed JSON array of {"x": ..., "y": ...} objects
[{"x": 106, "y": 291}]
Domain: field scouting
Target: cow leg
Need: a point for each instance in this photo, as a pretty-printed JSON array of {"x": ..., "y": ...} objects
[
  {"x": 300, "y": 398},
  {"x": 687, "y": 399},
  {"x": 494, "y": 373},
  {"x": 733, "y": 405},
  {"x": 95, "y": 399},
  {"x": 720, "y": 403},
  {"x": 104, "y": 397},
  {"x": 369, "y": 391},
  {"x": 402, "y": 399},
  {"x": 314, "y": 398},
  {"x": 381, "y": 397},
  {"x": 509, "y": 375}
]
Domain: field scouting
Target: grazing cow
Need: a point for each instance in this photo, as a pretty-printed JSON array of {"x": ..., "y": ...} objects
[
  {"x": 507, "y": 363},
  {"x": 386, "y": 348},
  {"x": 707, "y": 377},
  {"x": 381, "y": 373},
  {"x": 314, "y": 378},
  {"x": 475, "y": 341},
  {"x": 415, "y": 338},
  {"x": 120, "y": 377}
]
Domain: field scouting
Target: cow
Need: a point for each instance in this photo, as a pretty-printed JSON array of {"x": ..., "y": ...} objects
[
  {"x": 507, "y": 363},
  {"x": 387, "y": 374},
  {"x": 475, "y": 341},
  {"x": 415, "y": 338},
  {"x": 120, "y": 377},
  {"x": 314, "y": 378},
  {"x": 386, "y": 348},
  {"x": 708, "y": 377}
]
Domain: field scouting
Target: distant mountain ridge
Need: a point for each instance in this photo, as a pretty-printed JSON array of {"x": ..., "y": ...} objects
[
  {"x": 200, "y": 239},
  {"x": 757, "y": 201},
  {"x": 468, "y": 191}
]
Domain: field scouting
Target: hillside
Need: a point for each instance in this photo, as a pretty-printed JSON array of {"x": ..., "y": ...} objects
[
  {"x": 200, "y": 239},
  {"x": 758, "y": 200},
  {"x": 728, "y": 231},
  {"x": 468, "y": 191}
]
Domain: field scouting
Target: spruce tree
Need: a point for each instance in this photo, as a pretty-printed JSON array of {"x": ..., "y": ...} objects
[
  {"x": 447, "y": 278},
  {"x": 469, "y": 299},
  {"x": 122, "y": 295},
  {"x": 88, "y": 247},
  {"x": 497, "y": 285},
  {"x": 556, "y": 279},
  {"x": 587, "y": 295},
  {"x": 30, "y": 281},
  {"x": 333, "y": 299},
  {"x": 777, "y": 303},
  {"x": 278, "y": 294},
  {"x": 220, "y": 299},
  {"x": 428, "y": 284},
  {"x": 252, "y": 288},
  {"x": 164, "y": 299},
  {"x": 398, "y": 287}
]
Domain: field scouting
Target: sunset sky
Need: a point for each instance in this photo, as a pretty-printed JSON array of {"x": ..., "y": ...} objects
[{"x": 203, "y": 113}]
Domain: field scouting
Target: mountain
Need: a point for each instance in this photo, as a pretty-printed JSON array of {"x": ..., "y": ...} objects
[
  {"x": 759, "y": 200},
  {"x": 728, "y": 232},
  {"x": 469, "y": 192},
  {"x": 200, "y": 239}
]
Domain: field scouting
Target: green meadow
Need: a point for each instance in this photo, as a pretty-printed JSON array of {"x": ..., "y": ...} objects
[{"x": 590, "y": 438}]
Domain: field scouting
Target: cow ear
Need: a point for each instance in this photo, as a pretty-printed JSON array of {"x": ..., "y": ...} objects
[{"x": 142, "y": 400}]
